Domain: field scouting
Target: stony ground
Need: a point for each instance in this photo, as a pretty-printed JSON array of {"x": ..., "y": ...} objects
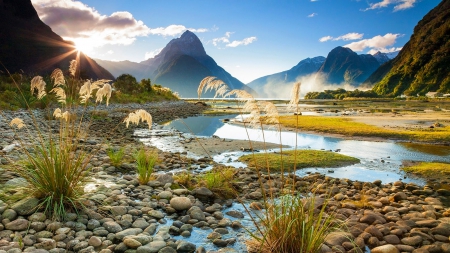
[{"x": 123, "y": 216}]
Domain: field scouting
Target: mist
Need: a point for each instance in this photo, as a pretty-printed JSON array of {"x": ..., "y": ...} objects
[{"x": 279, "y": 88}]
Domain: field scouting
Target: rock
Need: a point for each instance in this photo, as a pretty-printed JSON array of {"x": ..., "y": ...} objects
[
  {"x": 202, "y": 192},
  {"x": 337, "y": 238},
  {"x": 37, "y": 217},
  {"x": 17, "y": 225},
  {"x": 412, "y": 241},
  {"x": 165, "y": 195},
  {"x": 392, "y": 239},
  {"x": 185, "y": 247},
  {"x": 46, "y": 244},
  {"x": 9, "y": 214},
  {"x": 220, "y": 243},
  {"x": 95, "y": 241},
  {"x": 26, "y": 206},
  {"x": 180, "y": 203},
  {"x": 399, "y": 196},
  {"x": 140, "y": 223},
  {"x": 165, "y": 178},
  {"x": 119, "y": 210},
  {"x": 388, "y": 248},
  {"x": 152, "y": 247},
  {"x": 235, "y": 214},
  {"x": 156, "y": 214},
  {"x": 128, "y": 232},
  {"x": 167, "y": 250},
  {"x": 196, "y": 213},
  {"x": 132, "y": 243},
  {"x": 112, "y": 227}
]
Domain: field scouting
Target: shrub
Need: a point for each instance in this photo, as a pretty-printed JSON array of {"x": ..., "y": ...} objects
[{"x": 145, "y": 161}]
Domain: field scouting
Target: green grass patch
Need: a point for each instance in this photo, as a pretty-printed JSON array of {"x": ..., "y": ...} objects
[
  {"x": 348, "y": 127},
  {"x": 145, "y": 161},
  {"x": 116, "y": 155},
  {"x": 434, "y": 169},
  {"x": 299, "y": 159}
]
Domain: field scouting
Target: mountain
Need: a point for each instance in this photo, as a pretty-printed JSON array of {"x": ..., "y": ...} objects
[
  {"x": 423, "y": 64},
  {"x": 342, "y": 65},
  {"x": 117, "y": 68},
  {"x": 381, "y": 57},
  {"x": 304, "y": 67},
  {"x": 30, "y": 45},
  {"x": 180, "y": 65}
]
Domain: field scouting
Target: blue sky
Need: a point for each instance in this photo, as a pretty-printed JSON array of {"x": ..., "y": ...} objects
[{"x": 249, "y": 38}]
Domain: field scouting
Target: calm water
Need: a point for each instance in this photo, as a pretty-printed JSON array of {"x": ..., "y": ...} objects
[{"x": 379, "y": 160}]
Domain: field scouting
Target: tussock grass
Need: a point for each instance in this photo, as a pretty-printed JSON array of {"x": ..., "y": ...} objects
[
  {"x": 116, "y": 155},
  {"x": 348, "y": 127},
  {"x": 145, "y": 161},
  {"x": 297, "y": 159},
  {"x": 220, "y": 181},
  {"x": 293, "y": 224}
]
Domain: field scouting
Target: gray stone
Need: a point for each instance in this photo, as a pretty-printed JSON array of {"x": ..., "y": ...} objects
[
  {"x": 412, "y": 241},
  {"x": 26, "y": 206},
  {"x": 128, "y": 232},
  {"x": 180, "y": 203},
  {"x": 17, "y": 225},
  {"x": 235, "y": 214},
  {"x": 9, "y": 214},
  {"x": 152, "y": 247},
  {"x": 203, "y": 192},
  {"x": 119, "y": 210},
  {"x": 185, "y": 247},
  {"x": 140, "y": 223},
  {"x": 46, "y": 244},
  {"x": 388, "y": 248},
  {"x": 112, "y": 227},
  {"x": 165, "y": 178},
  {"x": 37, "y": 217},
  {"x": 156, "y": 214},
  {"x": 95, "y": 241},
  {"x": 132, "y": 243},
  {"x": 167, "y": 250}
]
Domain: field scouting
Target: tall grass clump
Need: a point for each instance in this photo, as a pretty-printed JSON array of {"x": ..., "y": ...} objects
[
  {"x": 219, "y": 180},
  {"x": 290, "y": 222},
  {"x": 145, "y": 161},
  {"x": 116, "y": 155},
  {"x": 56, "y": 165}
]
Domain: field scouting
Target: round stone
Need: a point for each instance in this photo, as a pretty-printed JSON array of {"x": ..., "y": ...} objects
[{"x": 180, "y": 203}]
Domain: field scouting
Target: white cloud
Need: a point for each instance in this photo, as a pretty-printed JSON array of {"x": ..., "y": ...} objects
[
  {"x": 348, "y": 36},
  {"x": 378, "y": 43},
  {"x": 88, "y": 28},
  {"x": 174, "y": 30},
  {"x": 314, "y": 0},
  {"x": 326, "y": 38},
  {"x": 226, "y": 40},
  {"x": 398, "y": 4},
  {"x": 312, "y": 15},
  {"x": 385, "y": 50},
  {"x": 244, "y": 42},
  {"x": 110, "y": 52},
  {"x": 152, "y": 54}
]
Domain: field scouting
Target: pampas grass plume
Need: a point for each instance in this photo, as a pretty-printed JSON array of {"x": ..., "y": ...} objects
[
  {"x": 295, "y": 97},
  {"x": 58, "y": 78},
  {"x": 203, "y": 83},
  {"x": 17, "y": 122},
  {"x": 137, "y": 116},
  {"x": 37, "y": 83},
  {"x": 105, "y": 91},
  {"x": 73, "y": 67}
]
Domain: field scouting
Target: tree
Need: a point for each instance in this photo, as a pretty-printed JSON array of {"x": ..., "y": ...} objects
[
  {"x": 146, "y": 85},
  {"x": 126, "y": 83}
]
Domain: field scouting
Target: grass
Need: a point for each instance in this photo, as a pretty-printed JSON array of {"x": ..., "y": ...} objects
[
  {"x": 116, "y": 156},
  {"x": 293, "y": 224},
  {"x": 304, "y": 159},
  {"x": 145, "y": 161},
  {"x": 348, "y": 127},
  {"x": 219, "y": 180},
  {"x": 434, "y": 169}
]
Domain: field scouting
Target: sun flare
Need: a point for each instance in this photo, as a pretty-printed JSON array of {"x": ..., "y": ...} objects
[{"x": 83, "y": 46}]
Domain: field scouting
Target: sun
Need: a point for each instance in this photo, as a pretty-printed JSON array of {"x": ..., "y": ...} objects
[{"x": 83, "y": 46}]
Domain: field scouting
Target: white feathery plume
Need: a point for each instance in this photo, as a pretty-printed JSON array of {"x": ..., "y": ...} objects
[
  {"x": 295, "y": 97},
  {"x": 221, "y": 91},
  {"x": 241, "y": 94},
  {"x": 203, "y": 83},
  {"x": 271, "y": 113},
  {"x": 60, "y": 94},
  {"x": 17, "y": 122},
  {"x": 73, "y": 67},
  {"x": 137, "y": 116},
  {"x": 105, "y": 91},
  {"x": 214, "y": 85},
  {"x": 65, "y": 115},
  {"x": 58, "y": 78},
  {"x": 38, "y": 83},
  {"x": 85, "y": 92}
]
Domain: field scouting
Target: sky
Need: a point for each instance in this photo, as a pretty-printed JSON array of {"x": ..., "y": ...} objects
[{"x": 249, "y": 38}]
